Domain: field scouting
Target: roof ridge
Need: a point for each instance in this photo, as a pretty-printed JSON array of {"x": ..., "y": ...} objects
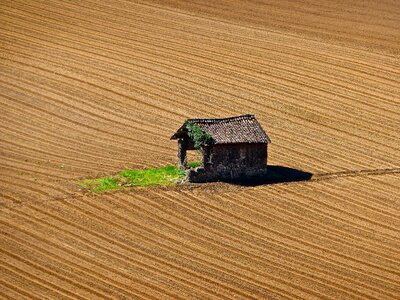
[
  {"x": 223, "y": 120},
  {"x": 239, "y": 129}
]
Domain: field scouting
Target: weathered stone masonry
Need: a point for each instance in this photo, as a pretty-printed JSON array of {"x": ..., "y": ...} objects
[{"x": 229, "y": 162}]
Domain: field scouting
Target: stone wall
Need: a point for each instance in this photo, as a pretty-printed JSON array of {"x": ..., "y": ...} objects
[{"x": 231, "y": 161}]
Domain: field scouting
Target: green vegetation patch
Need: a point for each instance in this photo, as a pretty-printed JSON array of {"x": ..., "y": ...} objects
[
  {"x": 100, "y": 185},
  {"x": 194, "y": 164},
  {"x": 164, "y": 176},
  {"x": 198, "y": 135}
]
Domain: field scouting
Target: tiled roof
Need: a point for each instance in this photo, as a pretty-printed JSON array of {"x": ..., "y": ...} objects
[{"x": 241, "y": 129}]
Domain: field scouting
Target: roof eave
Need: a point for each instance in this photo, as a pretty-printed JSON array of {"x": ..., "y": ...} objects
[{"x": 181, "y": 131}]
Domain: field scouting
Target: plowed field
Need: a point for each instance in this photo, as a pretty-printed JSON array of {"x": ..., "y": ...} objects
[{"x": 88, "y": 88}]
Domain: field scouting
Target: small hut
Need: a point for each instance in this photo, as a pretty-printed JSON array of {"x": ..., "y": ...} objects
[{"x": 232, "y": 148}]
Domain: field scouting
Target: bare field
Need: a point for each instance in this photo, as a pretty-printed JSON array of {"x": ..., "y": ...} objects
[{"x": 92, "y": 87}]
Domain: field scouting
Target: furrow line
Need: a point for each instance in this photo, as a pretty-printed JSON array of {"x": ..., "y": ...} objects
[
  {"x": 178, "y": 27},
  {"x": 90, "y": 106},
  {"x": 54, "y": 146},
  {"x": 386, "y": 193},
  {"x": 366, "y": 50},
  {"x": 15, "y": 147},
  {"x": 261, "y": 260},
  {"x": 325, "y": 212},
  {"x": 123, "y": 257},
  {"x": 308, "y": 210},
  {"x": 82, "y": 117},
  {"x": 326, "y": 232},
  {"x": 14, "y": 168},
  {"x": 71, "y": 78},
  {"x": 45, "y": 185},
  {"x": 224, "y": 61},
  {"x": 41, "y": 130},
  {"x": 183, "y": 230},
  {"x": 18, "y": 289},
  {"x": 68, "y": 120},
  {"x": 300, "y": 241},
  {"x": 142, "y": 29},
  {"x": 172, "y": 250},
  {"x": 204, "y": 264},
  {"x": 40, "y": 281},
  {"x": 24, "y": 187},
  {"x": 54, "y": 274},
  {"x": 360, "y": 199},
  {"x": 330, "y": 212},
  {"x": 88, "y": 272},
  {"x": 197, "y": 251},
  {"x": 34, "y": 108},
  {"x": 77, "y": 254},
  {"x": 361, "y": 217},
  {"x": 7, "y": 293}
]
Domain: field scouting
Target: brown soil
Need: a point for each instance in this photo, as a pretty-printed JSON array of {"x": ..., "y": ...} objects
[{"x": 88, "y": 88}]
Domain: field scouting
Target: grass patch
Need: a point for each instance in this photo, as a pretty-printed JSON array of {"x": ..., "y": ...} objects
[
  {"x": 100, "y": 185},
  {"x": 194, "y": 164},
  {"x": 164, "y": 176}
]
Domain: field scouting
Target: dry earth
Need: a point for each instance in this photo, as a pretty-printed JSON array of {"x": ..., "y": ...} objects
[{"x": 91, "y": 87}]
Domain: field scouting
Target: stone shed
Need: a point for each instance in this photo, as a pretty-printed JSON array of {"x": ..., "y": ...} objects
[{"x": 232, "y": 148}]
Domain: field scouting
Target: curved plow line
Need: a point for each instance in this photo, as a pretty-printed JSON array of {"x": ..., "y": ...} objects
[
  {"x": 181, "y": 26},
  {"x": 82, "y": 117},
  {"x": 367, "y": 201},
  {"x": 124, "y": 288},
  {"x": 123, "y": 35},
  {"x": 118, "y": 255},
  {"x": 369, "y": 103},
  {"x": 29, "y": 112},
  {"x": 278, "y": 33},
  {"x": 87, "y": 242},
  {"x": 96, "y": 129},
  {"x": 343, "y": 156},
  {"x": 294, "y": 201},
  {"x": 88, "y": 104},
  {"x": 261, "y": 259},
  {"x": 41, "y": 282},
  {"x": 35, "y": 266},
  {"x": 27, "y": 294},
  {"x": 263, "y": 228},
  {"x": 326, "y": 232},
  {"x": 345, "y": 211},
  {"x": 184, "y": 229},
  {"x": 204, "y": 265}
]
